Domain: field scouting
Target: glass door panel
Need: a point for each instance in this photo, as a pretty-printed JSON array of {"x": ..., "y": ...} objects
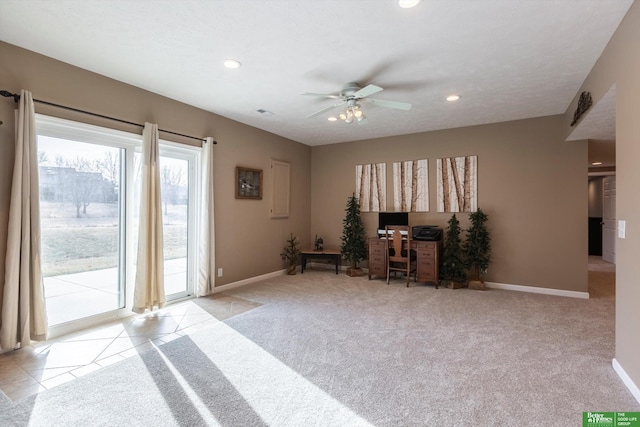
[
  {"x": 174, "y": 177},
  {"x": 80, "y": 214}
]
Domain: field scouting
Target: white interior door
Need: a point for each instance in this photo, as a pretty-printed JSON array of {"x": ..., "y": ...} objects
[{"x": 609, "y": 220}]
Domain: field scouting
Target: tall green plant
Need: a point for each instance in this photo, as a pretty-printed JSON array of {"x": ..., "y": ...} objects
[
  {"x": 354, "y": 242},
  {"x": 477, "y": 247},
  {"x": 452, "y": 267}
]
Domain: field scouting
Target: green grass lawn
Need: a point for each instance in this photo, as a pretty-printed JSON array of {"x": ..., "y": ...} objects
[{"x": 67, "y": 250}]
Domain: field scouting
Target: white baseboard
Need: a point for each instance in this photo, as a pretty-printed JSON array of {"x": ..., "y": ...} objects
[
  {"x": 493, "y": 285},
  {"x": 536, "y": 290},
  {"x": 633, "y": 388},
  {"x": 248, "y": 281}
]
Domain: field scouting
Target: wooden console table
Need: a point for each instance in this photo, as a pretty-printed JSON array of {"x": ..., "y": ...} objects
[
  {"x": 427, "y": 253},
  {"x": 336, "y": 256}
]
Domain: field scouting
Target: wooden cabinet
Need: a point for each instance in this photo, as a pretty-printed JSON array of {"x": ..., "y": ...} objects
[
  {"x": 427, "y": 253},
  {"x": 428, "y": 259},
  {"x": 377, "y": 257}
]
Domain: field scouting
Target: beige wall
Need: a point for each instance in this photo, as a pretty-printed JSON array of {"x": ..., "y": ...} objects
[
  {"x": 531, "y": 183},
  {"x": 620, "y": 65},
  {"x": 248, "y": 243}
]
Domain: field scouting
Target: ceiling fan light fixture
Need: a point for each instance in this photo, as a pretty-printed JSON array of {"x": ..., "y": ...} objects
[
  {"x": 349, "y": 116},
  {"x": 407, "y": 4},
  {"x": 352, "y": 113},
  {"x": 351, "y": 95}
]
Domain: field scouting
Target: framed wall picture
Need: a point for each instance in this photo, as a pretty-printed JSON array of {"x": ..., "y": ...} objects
[
  {"x": 248, "y": 183},
  {"x": 457, "y": 184},
  {"x": 411, "y": 186},
  {"x": 371, "y": 187}
]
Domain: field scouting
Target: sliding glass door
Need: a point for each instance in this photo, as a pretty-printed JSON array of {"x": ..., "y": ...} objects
[{"x": 89, "y": 187}]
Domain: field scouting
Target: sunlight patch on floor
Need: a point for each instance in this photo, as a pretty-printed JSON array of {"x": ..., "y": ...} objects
[
  {"x": 199, "y": 405},
  {"x": 278, "y": 394}
]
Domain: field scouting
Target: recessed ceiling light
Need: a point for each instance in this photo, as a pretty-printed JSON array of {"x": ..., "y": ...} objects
[
  {"x": 452, "y": 98},
  {"x": 596, "y": 163},
  {"x": 232, "y": 63},
  {"x": 408, "y": 3},
  {"x": 332, "y": 119}
]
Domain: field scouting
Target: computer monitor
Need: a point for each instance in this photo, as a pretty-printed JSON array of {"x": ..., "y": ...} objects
[{"x": 392, "y": 218}]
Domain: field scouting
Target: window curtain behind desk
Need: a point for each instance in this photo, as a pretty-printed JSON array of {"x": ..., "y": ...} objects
[
  {"x": 149, "y": 285},
  {"x": 24, "y": 314},
  {"x": 206, "y": 261}
]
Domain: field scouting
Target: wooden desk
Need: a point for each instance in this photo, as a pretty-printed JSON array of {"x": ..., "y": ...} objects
[
  {"x": 336, "y": 256},
  {"x": 427, "y": 253}
]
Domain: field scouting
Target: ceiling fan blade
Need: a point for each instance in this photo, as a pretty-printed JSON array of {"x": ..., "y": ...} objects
[
  {"x": 367, "y": 90},
  {"x": 389, "y": 104},
  {"x": 322, "y": 95},
  {"x": 317, "y": 113}
]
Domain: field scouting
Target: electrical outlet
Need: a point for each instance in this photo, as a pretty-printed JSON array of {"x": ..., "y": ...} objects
[{"x": 220, "y": 272}]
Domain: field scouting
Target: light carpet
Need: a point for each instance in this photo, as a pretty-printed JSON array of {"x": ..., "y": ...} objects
[{"x": 329, "y": 350}]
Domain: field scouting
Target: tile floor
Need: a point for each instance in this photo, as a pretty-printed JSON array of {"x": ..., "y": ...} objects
[{"x": 45, "y": 365}]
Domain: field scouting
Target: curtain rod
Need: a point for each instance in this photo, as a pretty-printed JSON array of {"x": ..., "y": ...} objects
[{"x": 16, "y": 98}]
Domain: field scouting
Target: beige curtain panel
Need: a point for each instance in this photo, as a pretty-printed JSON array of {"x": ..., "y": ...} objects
[
  {"x": 149, "y": 285},
  {"x": 24, "y": 314},
  {"x": 206, "y": 276}
]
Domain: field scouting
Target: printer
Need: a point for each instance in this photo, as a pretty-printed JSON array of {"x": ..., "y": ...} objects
[{"x": 426, "y": 232}]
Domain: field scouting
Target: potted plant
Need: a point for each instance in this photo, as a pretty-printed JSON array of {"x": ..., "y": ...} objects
[
  {"x": 290, "y": 254},
  {"x": 452, "y": 268},
  {"x": 477, "y": 248},
  {"x": 354, "y": 243}
]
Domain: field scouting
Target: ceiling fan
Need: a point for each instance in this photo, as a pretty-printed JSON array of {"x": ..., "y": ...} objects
[{"x": 352, "y": 95}]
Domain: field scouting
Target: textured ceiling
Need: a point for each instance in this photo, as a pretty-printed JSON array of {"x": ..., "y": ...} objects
[{"x": 508, "y": 59}]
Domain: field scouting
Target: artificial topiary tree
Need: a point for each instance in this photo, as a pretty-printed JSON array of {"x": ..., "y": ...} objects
[
  {"x": 290, "y": 254},
  {"x": 452, "y": 268},
  {"x": 354, "y": 242},
  {"x": 477, "y": 247}
]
